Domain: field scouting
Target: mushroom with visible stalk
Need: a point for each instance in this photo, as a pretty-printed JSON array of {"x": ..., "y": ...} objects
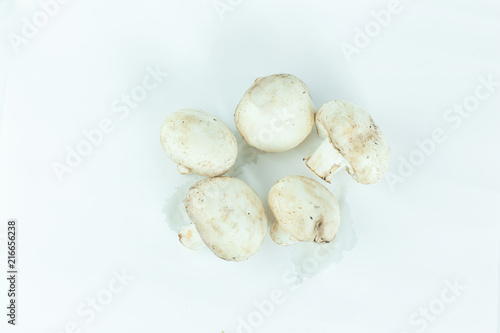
[
  {"x": 227, "y": 215},
  {"x": 276, "y": 113},
  {"x": 198, "y": 142},
  {"x": 351, "y": 140},
  {"x": 305, "y": 211}
]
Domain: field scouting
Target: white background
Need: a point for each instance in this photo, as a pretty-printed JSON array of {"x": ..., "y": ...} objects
[{"x": 440, "y": 224}]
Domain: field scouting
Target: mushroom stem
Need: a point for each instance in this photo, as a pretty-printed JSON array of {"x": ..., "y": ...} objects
[
  {"x": 183, "y": 170},
  {"x": 326, "y": 161},
  {"x": 190, "y": 238},
  {"x": 280, "y": 236}
]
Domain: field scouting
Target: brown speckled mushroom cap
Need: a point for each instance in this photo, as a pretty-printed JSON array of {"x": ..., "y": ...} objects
[
  {"x": 305, "y": 211},
  {"x": 276, "y": 113},
  {"x": 198, "y": 142},
  {"x": 227, "y": 215}
]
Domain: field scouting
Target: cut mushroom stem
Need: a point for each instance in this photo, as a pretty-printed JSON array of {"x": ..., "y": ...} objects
[
  {"x": 326, "y": 161},
  {"x": 280, "y": 236},
  {"x": 190, "y": 238},
  {"x": 183, "y": 170}
]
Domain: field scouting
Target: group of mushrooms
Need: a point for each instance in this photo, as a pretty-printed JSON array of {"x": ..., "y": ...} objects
[{"x": 275, "y": 114}]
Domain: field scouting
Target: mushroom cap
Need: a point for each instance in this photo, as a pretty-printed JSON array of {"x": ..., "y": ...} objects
[
  {"x": 276, "y": 113},
  {"x": 228, "y": 215},
  {"x": 199, "y": 142},
  {"x": 305, "y": 209},
  {"x": 352, "y": 132}
]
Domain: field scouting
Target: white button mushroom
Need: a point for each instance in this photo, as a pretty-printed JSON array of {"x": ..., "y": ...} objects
[
  {"x": 227, "y": 215},
  {"x": 305, "y": 211},
  {"x": 351, "y": 140},
  {"x": 198, "y": 142},
  {"x": 276, "y": 113}
]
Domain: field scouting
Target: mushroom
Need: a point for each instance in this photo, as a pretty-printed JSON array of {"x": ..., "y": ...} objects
[
  {"x": 227, "y": 215},
  {"x": 198, "y": 142},
  {"x": 351, "y": 140},
  {"x": 305, "y": 211},
  {"x": 276, "y": 113}
]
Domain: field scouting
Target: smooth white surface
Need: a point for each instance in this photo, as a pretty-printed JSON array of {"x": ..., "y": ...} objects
[{"x": 441, "y": 223}]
